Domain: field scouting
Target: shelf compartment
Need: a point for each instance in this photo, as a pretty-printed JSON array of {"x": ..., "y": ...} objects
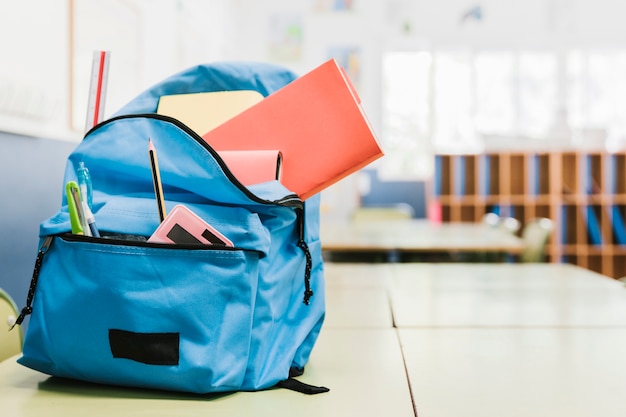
[
  {"x": 492, "y": 174},
  {"x": 519, "y": 211},
  {"x": 446, "y": 213},
  {"x": 468, "y": 213},
  {"x": 443, "y": 175},
  {"x": 571, "y": 259},
  {"x": 592, "y": 218},
  {"x": 569, "y": 174},
  {"x": 619, "y": 266},
  {"x": 618, "y": 173},
  {"x": 544, "y": 177},
  {"x": 569, "y": 224},
  {"x": 595, "y": 181},
  {"x": 517, "y": 177},
  {"x": 595, "y": 263},
  {"x": 469, "y": 175},
  {"x": 543, "y": 210},
  {"x": 617, "y": 220}
]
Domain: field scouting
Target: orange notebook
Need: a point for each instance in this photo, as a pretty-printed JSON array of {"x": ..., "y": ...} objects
[
  {"x": 316, "y": 122},
  {"x": 253, "y": 167}
]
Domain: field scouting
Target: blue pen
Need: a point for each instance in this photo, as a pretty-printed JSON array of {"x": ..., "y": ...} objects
[
  {"x": 90, "y": 220},
  {"x": 84, "y": 183}
]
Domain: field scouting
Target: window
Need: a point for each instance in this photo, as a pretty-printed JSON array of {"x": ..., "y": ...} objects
[
  {"x": 406, "y": 115},
  {"x": 596, "y": 96},
  {"x": 464, "y": 101},
  {"x": 453, "y": 101}
]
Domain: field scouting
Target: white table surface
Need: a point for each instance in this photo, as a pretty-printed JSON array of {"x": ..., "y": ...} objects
[
  {"x": 504, "y": 295},
  {"x": 521, "y": 372},
  {"x": 357, "y": 296},
  {"x": 543, "y": 340}
]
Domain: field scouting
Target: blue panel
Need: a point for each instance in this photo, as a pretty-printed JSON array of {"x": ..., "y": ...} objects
[
  {"x": 533, "y": 174},
  {"x": 31, "y": 185},
  {"x": 484, "y": 170},
  {"x": 438, "y": 175},
  {"x": 386, "y": 193},
  {"x": 459, "y": 175}
]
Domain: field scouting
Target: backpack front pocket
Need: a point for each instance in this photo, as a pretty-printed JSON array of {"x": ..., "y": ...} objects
[{"x": 159, "y": 316}]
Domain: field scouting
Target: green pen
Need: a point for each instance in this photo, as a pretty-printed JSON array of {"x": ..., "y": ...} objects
[{"x": 72, "y": 192}]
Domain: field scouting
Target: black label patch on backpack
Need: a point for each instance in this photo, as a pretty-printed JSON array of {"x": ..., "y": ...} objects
[{"x": 148, "y": 348}]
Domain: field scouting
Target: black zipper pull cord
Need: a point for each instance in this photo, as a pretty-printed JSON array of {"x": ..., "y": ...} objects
[
  {"x": 308, "y": 293},
  {"x": 33, "y": 282}
]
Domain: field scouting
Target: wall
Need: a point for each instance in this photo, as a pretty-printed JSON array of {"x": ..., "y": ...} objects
[
  {"x": 512, "y": 24},
  {"x": 33, "y": 74},
  {"x": 148, "y": 40},
  {"x": 170, "y": 35}
]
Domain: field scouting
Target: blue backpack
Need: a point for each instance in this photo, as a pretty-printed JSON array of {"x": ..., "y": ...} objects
[{"x": 119, "y": 310}]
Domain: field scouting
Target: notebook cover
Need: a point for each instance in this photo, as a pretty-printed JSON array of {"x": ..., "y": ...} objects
[
  {"x": 183, "y": 226},
  {"x": 316, "y": 121},
  {"x": 253, "y": 167},
  {"x": 205, "y": 111}
]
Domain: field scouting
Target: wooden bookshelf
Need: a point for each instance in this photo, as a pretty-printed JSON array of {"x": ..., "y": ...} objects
[{"x": 584, "y": 193}]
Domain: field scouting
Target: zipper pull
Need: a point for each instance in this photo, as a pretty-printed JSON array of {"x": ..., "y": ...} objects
[
  {"x": 33, "y": 282},
  {"x": 308, "y": 292}
]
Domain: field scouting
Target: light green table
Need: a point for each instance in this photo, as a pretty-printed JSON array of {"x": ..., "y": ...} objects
[
  {"x": 417, "y": 236},
  {"x": 514, "y": 340},
  {"x": 504, "y": 340},
  {"x": 362, "y": 367},
  {"x": 504, "y": 295},
  {"x": 475, "y": 340},
  {"x": 516, "y": 372},
  {"x": 357, "y": 356}
]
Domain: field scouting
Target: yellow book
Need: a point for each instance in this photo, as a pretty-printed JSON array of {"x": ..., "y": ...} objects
[{"x": 203, "y": 112}]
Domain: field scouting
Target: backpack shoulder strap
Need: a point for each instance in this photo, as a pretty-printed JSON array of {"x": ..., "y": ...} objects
[
  {"x": 299, "y": 386},
  {"x": 293, "y": 384}
]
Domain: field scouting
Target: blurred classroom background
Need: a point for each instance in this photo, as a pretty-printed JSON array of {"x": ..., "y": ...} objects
[{"x": 481, "y": 106}]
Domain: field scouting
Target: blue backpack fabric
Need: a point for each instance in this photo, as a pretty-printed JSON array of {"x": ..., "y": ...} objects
[{"x": 120, "y": 310}]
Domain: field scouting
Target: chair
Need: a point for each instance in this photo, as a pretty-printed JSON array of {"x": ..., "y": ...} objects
[
  {"x": 491, "y": 219},
  {"x": 510, "y": 224},
  {"x": 10, "y": 341},
  {"x": 536, "y": 234},
  {"x": 367, "y": 214}
]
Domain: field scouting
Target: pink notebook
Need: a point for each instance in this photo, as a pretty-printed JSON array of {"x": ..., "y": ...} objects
[
  {"x": 254, "y": 167},
  {"x": 183, "y": 226}
]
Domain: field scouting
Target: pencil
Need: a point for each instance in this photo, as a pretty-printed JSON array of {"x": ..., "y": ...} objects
[{"x": 156, "y": 179}]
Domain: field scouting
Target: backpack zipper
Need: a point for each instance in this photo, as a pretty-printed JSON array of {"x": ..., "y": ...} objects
[
  {"x": 70, "y": 237},
  {"x": 290, "y": 200}
]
